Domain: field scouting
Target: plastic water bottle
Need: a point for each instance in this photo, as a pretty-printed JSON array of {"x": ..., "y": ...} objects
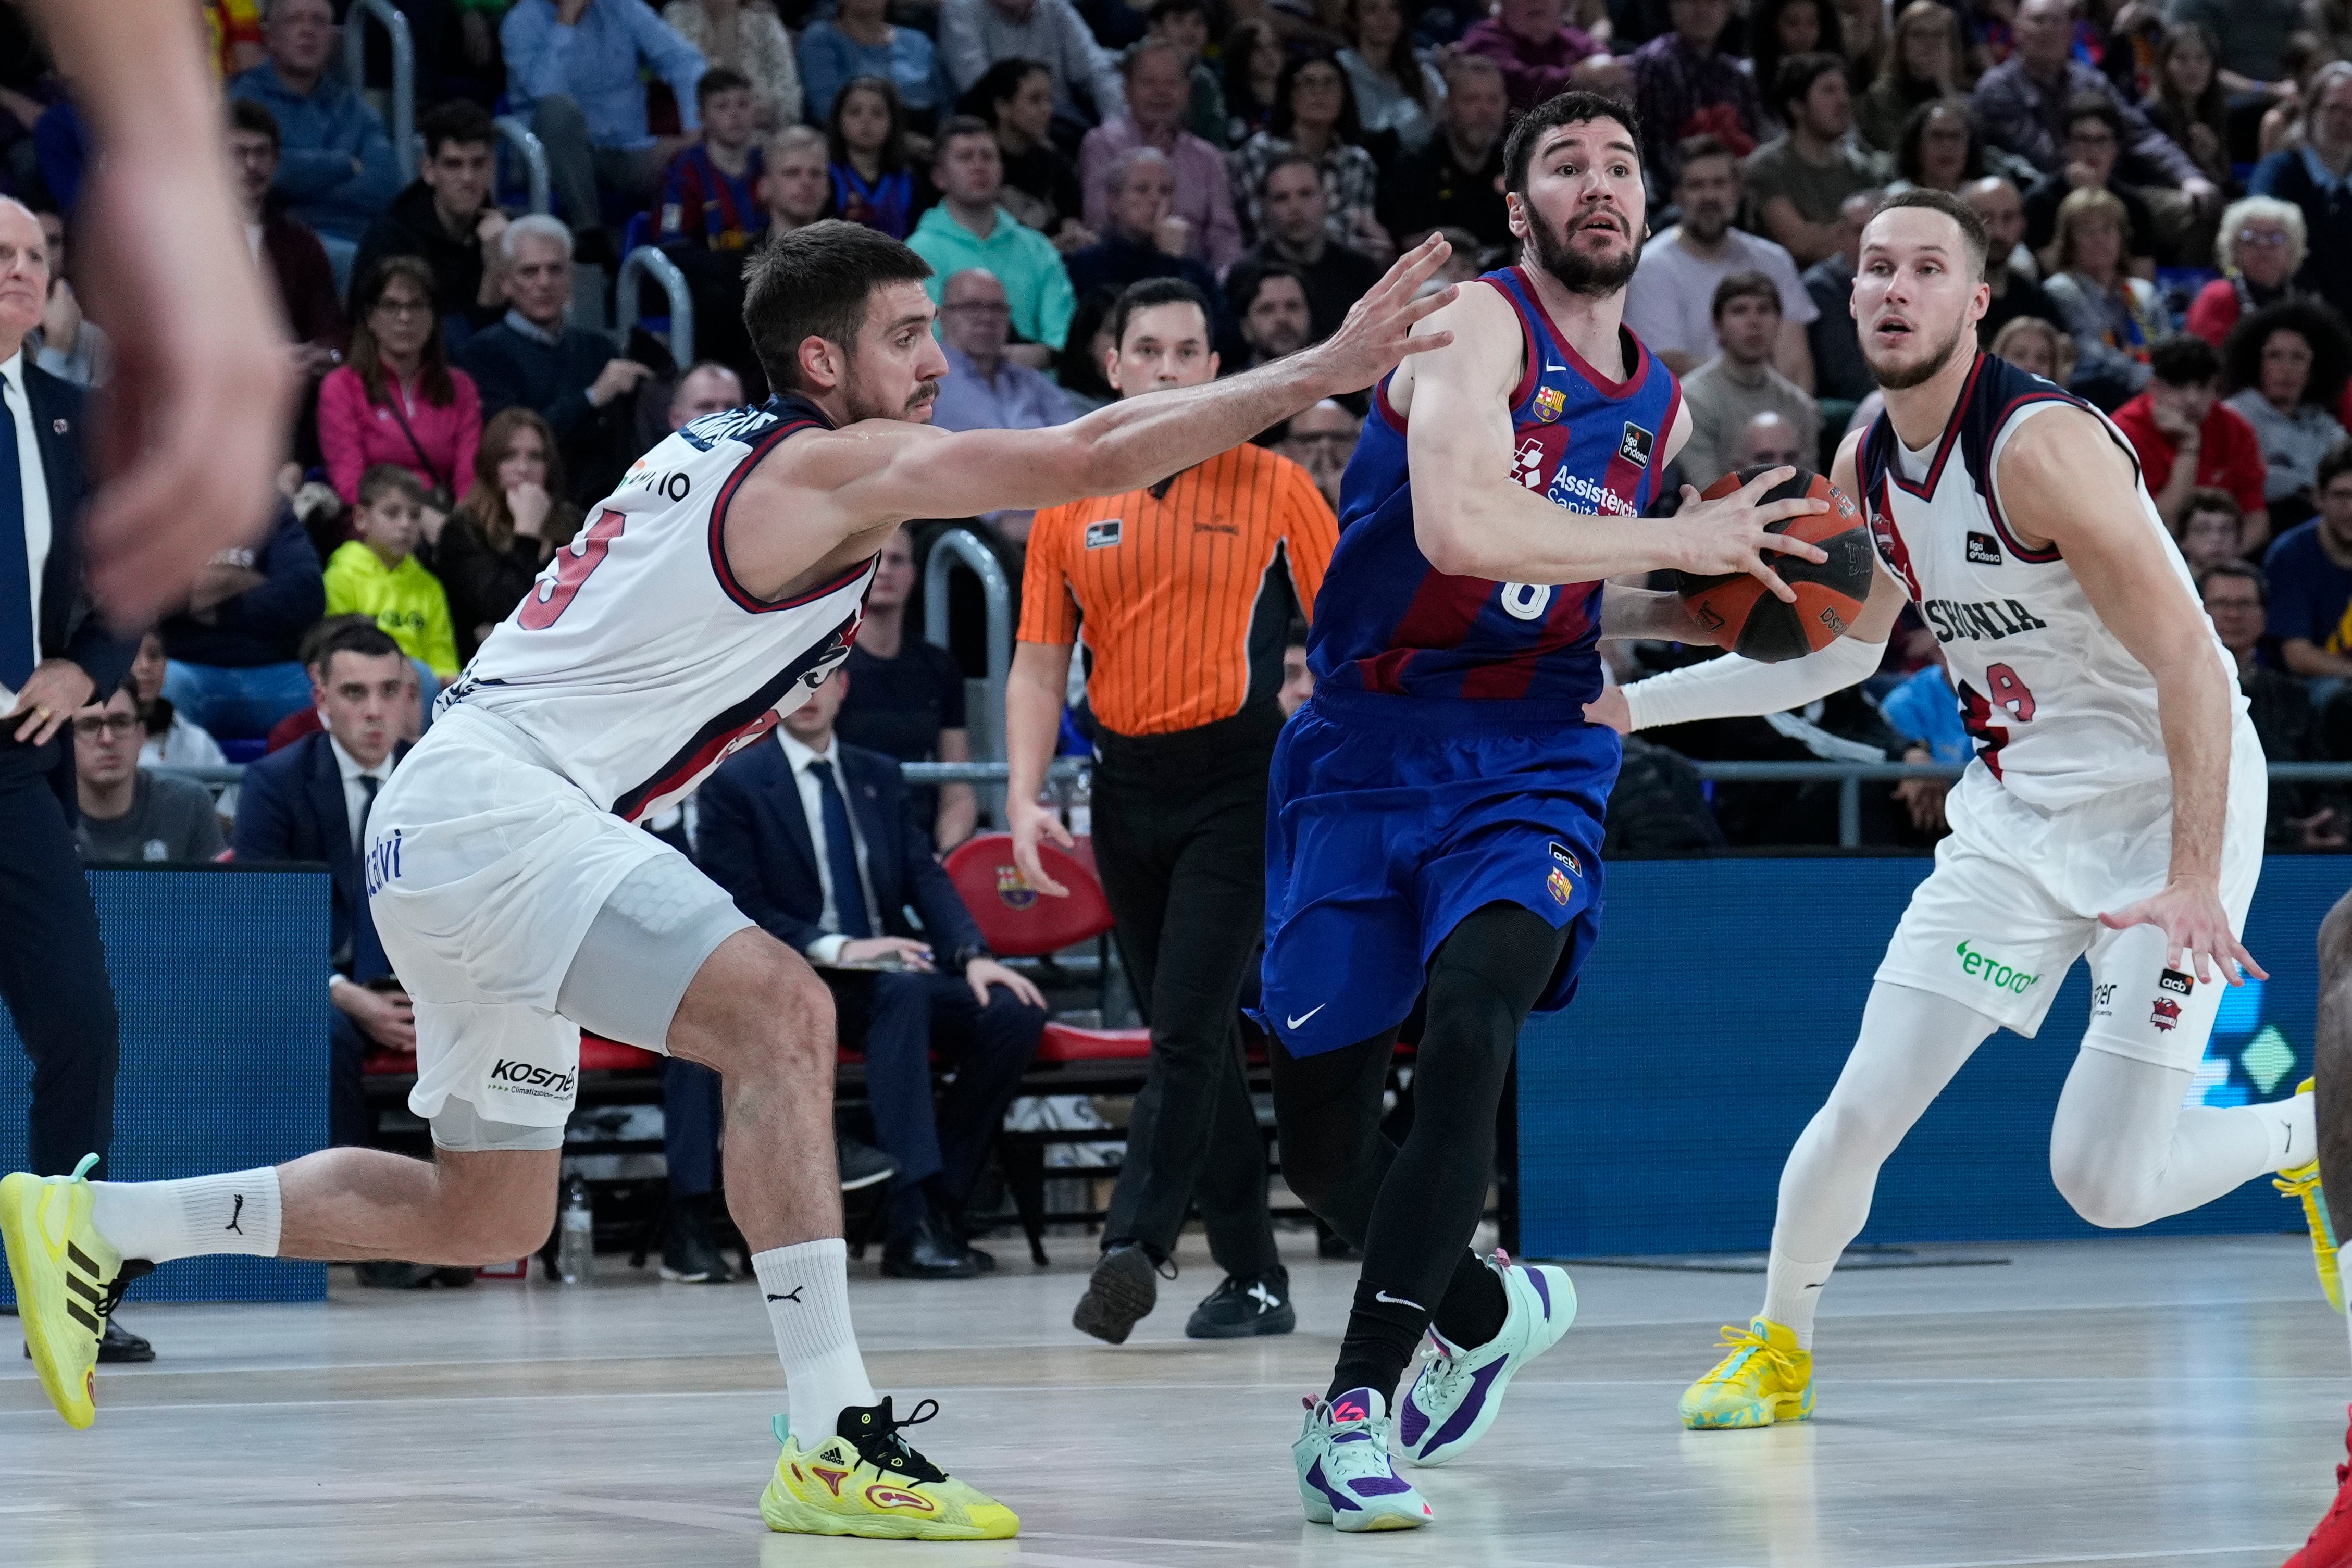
[{"x": 575, "y": 1247}]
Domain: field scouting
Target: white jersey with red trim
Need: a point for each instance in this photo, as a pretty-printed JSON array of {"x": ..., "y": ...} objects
[
  {"x": 636, "y": 662},
  {"x": 2059, "y": 709}
]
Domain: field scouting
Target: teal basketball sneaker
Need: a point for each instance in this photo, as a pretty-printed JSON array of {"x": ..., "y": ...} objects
[
  {"x": 1460, "y": 1391},
  {"x": 1346, "y": 1478}
]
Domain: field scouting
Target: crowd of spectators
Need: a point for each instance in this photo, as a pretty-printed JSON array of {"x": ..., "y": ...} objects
[{"x": 2169, "y": 187}]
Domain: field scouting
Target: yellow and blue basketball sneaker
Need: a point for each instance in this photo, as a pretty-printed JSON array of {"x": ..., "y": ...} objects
[
  {"x": 1762, "y": 1378},
  {"x": 1460, "y": 1392},
  {"x": 868, "y": 1480},
  {"x": 2303, "y": 1181},
  {"x": 69, "y": 1280},
  {"x": 1346, "y": 1478}
]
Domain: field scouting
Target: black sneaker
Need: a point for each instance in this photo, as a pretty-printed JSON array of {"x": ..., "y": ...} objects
[
  {"x": 1124, "y": 1289},
  {"x": 385, "y": 1274},
  {"x": 120, "y": 1346},
  {"x": 861, "y": 1164},
  {"x": 688, "y": 1256},
  {"x": 1241, "y": 1309}
]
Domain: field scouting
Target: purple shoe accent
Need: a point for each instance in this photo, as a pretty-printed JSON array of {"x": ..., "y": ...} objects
[
  {"x": 1411, "y": 1423},
  {"x": 1338, "y": 1498},
  {"x": 1536, "y": 1278},
  {"x": 1468, "y": 1411},
  {"x": 1380, "y": 1486}
]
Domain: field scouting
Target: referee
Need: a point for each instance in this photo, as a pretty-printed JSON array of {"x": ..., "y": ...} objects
[{"x": 1186, "y": 590}]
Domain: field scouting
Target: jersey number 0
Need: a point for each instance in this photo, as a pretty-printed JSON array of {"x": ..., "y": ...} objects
[{"x": 551, "y": 595}]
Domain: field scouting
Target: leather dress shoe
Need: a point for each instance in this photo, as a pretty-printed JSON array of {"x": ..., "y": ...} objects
[
  {"x": 928, "y": 1251},
  {"x": 120, "y": 1346}
]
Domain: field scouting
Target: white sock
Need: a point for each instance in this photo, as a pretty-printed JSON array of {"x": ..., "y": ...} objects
[
  {"x": 2294, "y": 1126},
  {"x": 1792, "y": 1289},
  {"x": 808, "y": 1287},
  {"x": 238, "y": 1212}
]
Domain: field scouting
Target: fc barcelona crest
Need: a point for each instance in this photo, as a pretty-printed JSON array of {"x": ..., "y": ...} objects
[
  {"x": 1014, "y": 888},
  {"x": 1550, "y": 403}
]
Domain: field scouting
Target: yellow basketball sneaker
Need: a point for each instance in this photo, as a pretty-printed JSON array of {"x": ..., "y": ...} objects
[
  {"x": 868, "y": 1480},
  {"x": 2303, "y": 1181},
  {"x": 1762, "y": 1378},
  {"x": 69, "y": 1280}
]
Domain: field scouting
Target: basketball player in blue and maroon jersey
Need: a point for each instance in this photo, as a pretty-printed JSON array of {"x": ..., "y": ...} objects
[{"x": 1435, "y": 814}]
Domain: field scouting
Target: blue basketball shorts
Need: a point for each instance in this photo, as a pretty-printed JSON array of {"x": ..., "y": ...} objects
[{"x": 1391, "y": 819}]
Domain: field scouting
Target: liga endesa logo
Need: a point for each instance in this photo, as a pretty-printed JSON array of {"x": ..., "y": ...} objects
[{"x": 1993, "y": 972}]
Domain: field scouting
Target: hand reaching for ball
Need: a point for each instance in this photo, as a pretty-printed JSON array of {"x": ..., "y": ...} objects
[{"x": 1731, "y": 534}]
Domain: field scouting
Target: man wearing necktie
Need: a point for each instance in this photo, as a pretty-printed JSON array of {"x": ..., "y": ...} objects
[
  {"x": 55, "y": 656},
  {"x": 815, "y": 840}
]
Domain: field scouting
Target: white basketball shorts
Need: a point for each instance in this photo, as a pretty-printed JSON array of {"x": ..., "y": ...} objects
[
  {"x": 487, "y": 869},
  {"x": 2016, "y": 896}
]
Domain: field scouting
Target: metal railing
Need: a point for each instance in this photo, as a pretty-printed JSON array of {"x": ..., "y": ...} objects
[
  {"x": 533, "y": 153},
  {"x": 1848, "y": 776},
  {"x": 647, "y": 261},
  {"x": 961, "y": 545},
  {"x": 403, "y": 73}
]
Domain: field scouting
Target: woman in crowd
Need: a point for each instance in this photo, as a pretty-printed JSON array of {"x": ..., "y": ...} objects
[
  {"x": 509, "y": 526},
  {"x": 1939, "y": 149},
  {"x": 2288, "y": 362},
  {"x": 2187, "y": 103},
  {"x": 396, "y": 400},
  {"x": 857, "y": 43},
  {"x": 748, "y": 39},
  {"x": 1086, "y": 354},
  {"x": 1254, "y": 57},
  {"x": 1315, "y": 113},
  {"x": 1396, "y": 90},
  {"x": 873, "y": 181},
  {"x": 1923, "y": 67},
  {"x": 2259, "y": 248},
  {"x": 2036, "y": 347},
  {"x": 1781, "y": 29},
  {"x": 1862, "y": 26},
  {"x": 1041, "y": 186},
  {"x": 2113, "y": 317}
]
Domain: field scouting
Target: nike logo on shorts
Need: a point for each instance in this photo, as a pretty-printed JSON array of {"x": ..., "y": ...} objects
[{"x": 1306, "y": 1015}]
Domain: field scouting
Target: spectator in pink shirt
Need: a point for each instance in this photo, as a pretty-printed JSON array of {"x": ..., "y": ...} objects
[
  {"x": 1157, "y": 91},
  {"x": 398, "y": 401}
]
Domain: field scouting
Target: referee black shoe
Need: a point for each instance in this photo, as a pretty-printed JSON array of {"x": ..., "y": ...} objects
[
  {"x": 1242, "y": 1309},
  {"x": 1124, "y": 1289},
  {"x": 862, "y": 1165}
]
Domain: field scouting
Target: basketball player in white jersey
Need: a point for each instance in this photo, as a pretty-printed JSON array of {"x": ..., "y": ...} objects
[
  {"x": 2114, "y": 809},
  {"x": 719, "y": 584}
]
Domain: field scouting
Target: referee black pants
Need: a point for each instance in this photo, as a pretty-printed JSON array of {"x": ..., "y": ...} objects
[
  {"x": 1180, "y": 839},
  {"x": 53, "y": 967}
]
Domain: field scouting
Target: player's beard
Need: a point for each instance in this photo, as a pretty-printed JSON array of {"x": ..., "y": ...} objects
[
  {"x": 1577, "y": 272},
  {"x": 1904, "y": 379}
]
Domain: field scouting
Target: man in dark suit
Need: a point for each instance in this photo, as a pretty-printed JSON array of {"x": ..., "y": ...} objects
[
  {"x": 816, "y": 842},
  {"x": 309, "y": 801},
  {"x": 55, "y": 656}
]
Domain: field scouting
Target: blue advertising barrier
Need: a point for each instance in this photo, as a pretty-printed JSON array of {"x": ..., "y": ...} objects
[
  {"x": 1657, "y": 1111},
  {"x": 220, "y": 977}
]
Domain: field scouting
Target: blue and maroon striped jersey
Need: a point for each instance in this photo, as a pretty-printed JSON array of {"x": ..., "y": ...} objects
[{"x": 1388, "y": 621}]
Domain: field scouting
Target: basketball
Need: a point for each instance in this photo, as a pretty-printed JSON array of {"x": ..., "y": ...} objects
[{"x": 1744, "y": 616}]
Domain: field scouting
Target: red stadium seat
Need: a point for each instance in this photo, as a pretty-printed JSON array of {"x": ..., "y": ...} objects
[
  {"x": 1066, "y": 1043},
  {"x": 1014, "y": 918}
]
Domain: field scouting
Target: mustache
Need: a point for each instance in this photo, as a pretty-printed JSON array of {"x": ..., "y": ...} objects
[{"x": 925, "y": 392}]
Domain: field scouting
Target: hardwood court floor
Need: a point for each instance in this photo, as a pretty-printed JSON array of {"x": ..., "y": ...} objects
[{"x": 2177, "y": 1403}]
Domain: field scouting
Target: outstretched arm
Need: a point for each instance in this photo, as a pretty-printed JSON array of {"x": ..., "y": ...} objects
[
  {"x": 2063, "y": 479},
  {"x": 1733, "y": 687},
  {"x": 1473, "y": 519},
  {"x": 204, "y": 388}
]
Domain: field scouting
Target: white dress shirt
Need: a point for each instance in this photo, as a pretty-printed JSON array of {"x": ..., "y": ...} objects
[
  {"x": 355, "y": 793},
  {"x": 827, "y": 949},
  {"x": 35, "y": 483}
]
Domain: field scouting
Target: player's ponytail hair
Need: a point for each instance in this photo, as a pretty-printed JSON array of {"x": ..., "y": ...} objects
[{"x": 813, "y": 283}]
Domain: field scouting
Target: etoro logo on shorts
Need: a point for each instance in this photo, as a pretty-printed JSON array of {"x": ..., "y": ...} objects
[{"x": 1994, "y": 973}]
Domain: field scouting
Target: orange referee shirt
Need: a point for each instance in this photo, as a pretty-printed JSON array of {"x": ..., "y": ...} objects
[{"x": 1185, "y": 588}]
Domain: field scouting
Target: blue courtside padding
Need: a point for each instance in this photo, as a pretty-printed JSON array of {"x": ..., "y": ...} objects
[
  {"x": 1657, "y": 1111},
  {"x": 220, "y": 975}
]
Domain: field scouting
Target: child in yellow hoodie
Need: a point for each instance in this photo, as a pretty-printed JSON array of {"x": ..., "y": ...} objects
[{"x": 378, "y": 574}]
